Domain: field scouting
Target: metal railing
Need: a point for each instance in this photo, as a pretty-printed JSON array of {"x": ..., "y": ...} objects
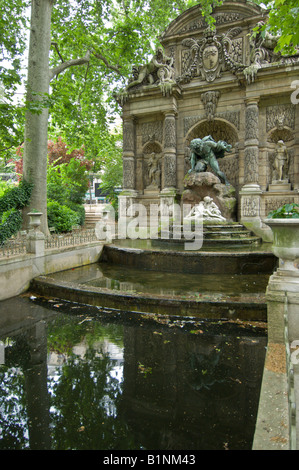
[{"x": 17, "y": 245}]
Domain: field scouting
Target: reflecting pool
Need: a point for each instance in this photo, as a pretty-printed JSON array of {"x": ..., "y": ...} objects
[{"x": 79, "y": 377}]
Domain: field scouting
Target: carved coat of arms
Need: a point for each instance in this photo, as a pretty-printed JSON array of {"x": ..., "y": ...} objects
[{"x": 210, "y": 55}]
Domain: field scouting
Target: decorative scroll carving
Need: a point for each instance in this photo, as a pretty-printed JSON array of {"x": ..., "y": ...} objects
[
  {"x": 236, "y": 51},
  {"x": 152, "y": 131},
  {"x": 210, "y": 101}
]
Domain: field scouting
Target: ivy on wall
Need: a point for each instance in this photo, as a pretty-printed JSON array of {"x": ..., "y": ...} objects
[{"x": 11, "y": 202}]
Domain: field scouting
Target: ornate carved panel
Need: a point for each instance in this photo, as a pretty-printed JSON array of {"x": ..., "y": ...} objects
[
  {"x": 152, "y": 131},
  {"x": 250, "y": 206},
  {"x": 280, "y": 116}
]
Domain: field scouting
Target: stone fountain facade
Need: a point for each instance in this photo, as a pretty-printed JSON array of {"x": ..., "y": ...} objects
[{"x": 220, "y": 83}]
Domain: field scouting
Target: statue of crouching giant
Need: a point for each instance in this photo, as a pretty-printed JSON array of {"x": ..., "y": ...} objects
[{"x": 205, "y": 152}]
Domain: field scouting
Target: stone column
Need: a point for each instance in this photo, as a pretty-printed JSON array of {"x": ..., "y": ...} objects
[
  {"x": 169, "y": 152},
  {"x": 129, "y": 154},
  {"x": 251, "y": 191},
  {"x": 168, "y": 194},
  {"x": 251, "y": 157},
  {"x": 128, "y": 195}
]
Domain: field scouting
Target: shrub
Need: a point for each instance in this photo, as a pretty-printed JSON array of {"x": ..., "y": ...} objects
[
  {"x": 287, "y": 211},
  {"x": 16, "y": 197},
  {"x": 61, "y": 217},
  {"x": 10, "y": 223},
  {"x": 11, "y": 201},
  {"x": 79, "y": 209}
]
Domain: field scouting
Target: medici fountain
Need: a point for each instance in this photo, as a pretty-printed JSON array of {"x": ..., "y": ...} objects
[{"x": 210, "y": 147}]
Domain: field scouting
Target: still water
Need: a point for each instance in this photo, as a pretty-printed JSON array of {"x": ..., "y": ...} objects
[{"x": 85, "y": 378}]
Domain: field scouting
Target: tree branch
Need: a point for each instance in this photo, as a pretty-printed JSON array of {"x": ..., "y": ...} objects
[
  {"x": 69, "y": 63},
  {"x": 109, "y": 66},
  {"x": 57, "y": 50}
]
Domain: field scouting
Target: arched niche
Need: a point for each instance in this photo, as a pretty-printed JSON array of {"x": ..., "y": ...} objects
[{"x": 219, "y": 129}]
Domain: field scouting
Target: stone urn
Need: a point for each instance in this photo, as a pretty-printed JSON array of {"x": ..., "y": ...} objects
[
  {"x": 35, "y": 219},
  {"x": 285, "y": 242}
]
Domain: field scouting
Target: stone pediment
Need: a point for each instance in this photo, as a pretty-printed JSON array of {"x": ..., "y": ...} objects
[{"x": 191, "y": 22}]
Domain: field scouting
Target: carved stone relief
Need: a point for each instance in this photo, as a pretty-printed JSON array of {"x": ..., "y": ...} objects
[
  {"x": 210, "y": 101},
  {"x": 279, "y": 116},
  {"x": 250, "y": 206},
  {"x": 272, "y": 203},
  {"x": 152, "y": 131}
]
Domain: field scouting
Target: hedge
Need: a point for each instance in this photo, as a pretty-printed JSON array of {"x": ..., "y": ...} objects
[{"x": 11, "y": 202}]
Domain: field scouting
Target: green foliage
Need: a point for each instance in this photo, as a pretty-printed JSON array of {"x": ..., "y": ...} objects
[
  {"x": 67, "y": 182},
  {"x": 79, "y": 209},
  {"x": 16, "y": 197},
  {"x": 284, "y": 22},
  {"x": 287, "y": 211},
  {"x": 10, "y": 224},
  {"x": 12, "y": 200},
  {"x": 61, "y": 217},
  {"x": 13, "y": 24}
]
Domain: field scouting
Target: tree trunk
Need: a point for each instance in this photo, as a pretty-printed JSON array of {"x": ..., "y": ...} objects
[{"x": 36, "y": 126}]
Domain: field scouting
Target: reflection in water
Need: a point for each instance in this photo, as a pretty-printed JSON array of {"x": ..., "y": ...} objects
[
  {"x": 78, "y": 377},
  {"x": 133, "y": 280}
]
